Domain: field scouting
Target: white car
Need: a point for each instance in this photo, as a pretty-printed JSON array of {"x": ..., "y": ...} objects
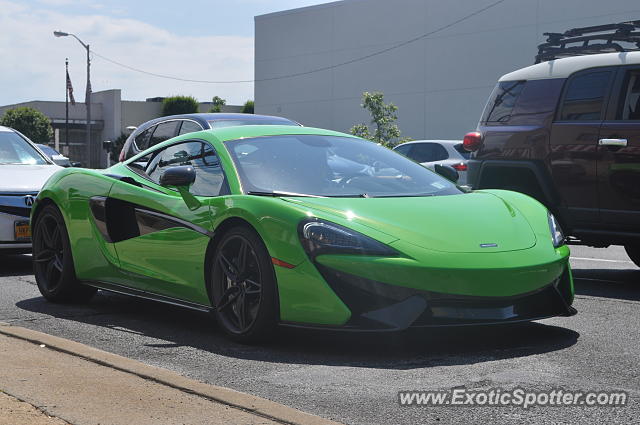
[
  {"x": 431, "y": 152},
  {"x": 23, "y": 171}
]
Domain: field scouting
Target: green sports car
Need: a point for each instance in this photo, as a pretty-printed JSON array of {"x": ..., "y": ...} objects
[{"x": 279, "y": 225}]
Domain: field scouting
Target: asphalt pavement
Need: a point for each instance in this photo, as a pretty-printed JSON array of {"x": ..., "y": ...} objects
[{"x": 355, "y": 379}]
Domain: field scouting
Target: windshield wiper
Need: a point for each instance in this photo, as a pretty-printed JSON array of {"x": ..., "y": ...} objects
[
  {"x": 276, "y": 194},
  {"x": 355, "y": 195},
  {"x": 405, "y": 195}
]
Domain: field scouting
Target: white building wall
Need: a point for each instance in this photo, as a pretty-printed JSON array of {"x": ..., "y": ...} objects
[{"x": 440, "y": 83}]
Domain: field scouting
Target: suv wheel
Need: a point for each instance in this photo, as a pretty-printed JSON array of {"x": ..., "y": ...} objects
[{"x": 634, "y": 253}]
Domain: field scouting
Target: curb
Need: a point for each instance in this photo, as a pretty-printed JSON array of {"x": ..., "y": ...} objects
[{"x": 248, "y": 403}]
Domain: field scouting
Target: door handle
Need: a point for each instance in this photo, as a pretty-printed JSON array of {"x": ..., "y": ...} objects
[{"x": 612, "y": 142}]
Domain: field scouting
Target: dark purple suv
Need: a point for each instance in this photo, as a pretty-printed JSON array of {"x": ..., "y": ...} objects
[{"x": 567, "y": 132}]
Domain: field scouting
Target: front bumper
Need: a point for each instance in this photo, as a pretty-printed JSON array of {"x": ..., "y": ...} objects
[
  {"x": 383, "y": 307},
  {"x": 14, "y": 208}
]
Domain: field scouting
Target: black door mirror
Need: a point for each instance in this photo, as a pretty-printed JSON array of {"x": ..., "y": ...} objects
[
  {"x": 447, "y": 171},
  {"x": 181, "y": 176}
]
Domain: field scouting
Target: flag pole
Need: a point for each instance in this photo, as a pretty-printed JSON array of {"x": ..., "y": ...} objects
[{"x": 66, "y": 103}]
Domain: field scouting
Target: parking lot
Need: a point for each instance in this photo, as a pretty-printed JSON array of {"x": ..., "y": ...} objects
[{"x": 354, "y": 378}]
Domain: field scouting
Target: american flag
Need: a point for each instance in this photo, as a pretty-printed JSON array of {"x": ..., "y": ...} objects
[{"x": 70, "y": 90}]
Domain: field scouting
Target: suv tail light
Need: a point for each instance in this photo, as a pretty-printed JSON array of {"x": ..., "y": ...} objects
[
  {"x": 121, "y": 157},
  {"x": 460, "y": 167},
  {"x": 472, "y": 141}
]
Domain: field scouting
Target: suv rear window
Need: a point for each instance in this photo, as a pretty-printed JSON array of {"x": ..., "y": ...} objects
[{"x": 502, "y": 101}]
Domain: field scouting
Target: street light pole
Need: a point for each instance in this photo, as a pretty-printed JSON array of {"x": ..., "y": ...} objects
[{"x": 90, "y": 149}]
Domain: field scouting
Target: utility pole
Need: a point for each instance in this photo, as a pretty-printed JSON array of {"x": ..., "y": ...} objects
[
  {"x": 66, "y": 103},
  {"x": 90, "y": 147}
]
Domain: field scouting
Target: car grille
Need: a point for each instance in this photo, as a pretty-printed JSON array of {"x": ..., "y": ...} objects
[{"x": 15, "y": 203}]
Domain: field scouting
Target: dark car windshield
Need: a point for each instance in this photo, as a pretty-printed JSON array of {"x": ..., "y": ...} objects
[
  {"x": 15, "y": 150},
  {"x": 48, "y": 150},
  {"x": 235, "y": 122},
  {"x": 330, "y": 166}
]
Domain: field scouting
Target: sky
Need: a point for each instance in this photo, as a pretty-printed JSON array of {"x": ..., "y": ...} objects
[{"x": 192, "y": 39}]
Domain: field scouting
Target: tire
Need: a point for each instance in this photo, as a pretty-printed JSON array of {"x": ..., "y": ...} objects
[
  {"x": 242, "y": 286},
  {"x": 53, "y": 261},
  {"x": 633, "y": 251}
]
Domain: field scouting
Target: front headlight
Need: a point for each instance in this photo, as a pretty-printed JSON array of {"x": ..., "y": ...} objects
[
  {"x": 323, "y": 237},
  {"x": 557, "y": 237}
]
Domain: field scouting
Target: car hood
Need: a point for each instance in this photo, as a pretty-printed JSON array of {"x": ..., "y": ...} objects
[
  {"x": 471, "y": 222},
  {"x": 25, "y": 178}
]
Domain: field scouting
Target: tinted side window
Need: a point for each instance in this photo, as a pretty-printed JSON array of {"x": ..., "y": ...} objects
[
  {"x": 210, "y": 180},
  {"x": 164, "y": 131},
  {"x": 630, "y": 107},
  {"x": 427, "y": 152},
  {"x": 403, "y": 150},
  {"x": 189, "y": 127},
  {"x": 585, "y": 95},
  {"x": 502, "y": 101},
  {"x": 142, "y": 139}
]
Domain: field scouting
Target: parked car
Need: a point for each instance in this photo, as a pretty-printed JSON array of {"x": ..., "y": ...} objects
[
  {"x": 160, "y": 129},
  {"x": 56, "y": 156},
  {"x": 567, "y": 132},
  {"x": 23, "y": 171},
  {"x": 267, "y": 225},
  {"x": 444, "y": 152}
]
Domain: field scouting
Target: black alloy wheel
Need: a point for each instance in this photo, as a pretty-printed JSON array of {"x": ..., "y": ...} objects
[
  {"x": 52, "y": 260},
  {"x": 243, "y": 286}
]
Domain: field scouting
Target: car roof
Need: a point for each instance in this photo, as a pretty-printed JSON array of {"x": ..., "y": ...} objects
[
  {"x": 3, "y": 128},
  {"x": 562, "y": 68},
  {"x": 204, "y": 118},
  {"x": 224, "y": 134},
  {"x": 252, "y": 131}
]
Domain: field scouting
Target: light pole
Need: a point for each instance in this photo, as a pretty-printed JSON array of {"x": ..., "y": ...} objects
[{"x": 87, "y": 97}]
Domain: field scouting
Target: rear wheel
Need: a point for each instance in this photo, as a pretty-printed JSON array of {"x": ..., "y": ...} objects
[
  {"x": 243, "y": 286},
  {"x": 634, "y": 253},
  {"x": 53, "y": 262}
]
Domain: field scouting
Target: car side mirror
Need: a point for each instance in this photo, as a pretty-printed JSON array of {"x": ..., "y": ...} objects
[
  {"x": 447, "y": 171},
  {"x": 180, "y": 176}
]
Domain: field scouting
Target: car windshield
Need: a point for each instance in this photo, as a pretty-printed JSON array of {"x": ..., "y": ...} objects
[
  {"x": 330, "y": 166},
  {"x": 253, "y": 121},
  {"x": 48, "y": 150},
  {"x": 15, "y": 150}
]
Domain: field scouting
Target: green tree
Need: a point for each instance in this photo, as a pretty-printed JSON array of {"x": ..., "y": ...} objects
[
  {"x": 248, "y": 107},
  {"x": 30, "y": 122},
  {"x": 179, "y": 105},
  {"x": 383, "y": 118},
  {"x": 218, "y": 103}
]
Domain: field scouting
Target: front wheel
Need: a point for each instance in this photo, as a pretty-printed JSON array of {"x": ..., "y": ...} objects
[
  {"x": 243, "y": 286},
  {"x": 633, "y": 251},
  {"x": 53, "y": 262}
]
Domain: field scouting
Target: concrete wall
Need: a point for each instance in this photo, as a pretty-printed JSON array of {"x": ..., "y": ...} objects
[{"x": 440, "y": 83}]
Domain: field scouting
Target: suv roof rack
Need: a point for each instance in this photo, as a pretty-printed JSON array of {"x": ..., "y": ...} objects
[{"x": 610, "y": 35}]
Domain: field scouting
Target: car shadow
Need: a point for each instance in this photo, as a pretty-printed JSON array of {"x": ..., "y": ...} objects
[
  {"x": 406, "y": 350},
  {"x": 608, "y": 283}
]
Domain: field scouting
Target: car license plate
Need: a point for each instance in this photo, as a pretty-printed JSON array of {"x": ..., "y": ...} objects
[{"x": 22, "y": 230}]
